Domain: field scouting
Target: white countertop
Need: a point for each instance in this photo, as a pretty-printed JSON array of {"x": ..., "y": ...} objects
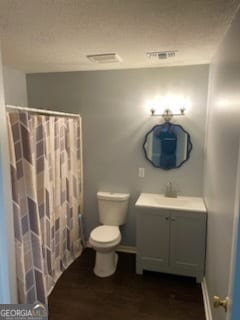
[{"x": 152, "y": 200}]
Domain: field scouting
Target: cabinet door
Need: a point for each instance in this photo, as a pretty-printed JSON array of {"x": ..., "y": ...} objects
[
  {"x": 153, "y": 239},
  {"x": 187, "y": 249}
]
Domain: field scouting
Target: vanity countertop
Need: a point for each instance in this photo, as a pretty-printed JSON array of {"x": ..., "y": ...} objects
[{"x": 152, "y": 200}]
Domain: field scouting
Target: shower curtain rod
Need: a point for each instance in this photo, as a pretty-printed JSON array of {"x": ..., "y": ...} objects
[{"x": 43, "y": 111}]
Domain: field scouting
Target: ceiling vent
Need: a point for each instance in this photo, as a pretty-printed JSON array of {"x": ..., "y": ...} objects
[
  {"x": 161, "y": 55},
  {"x": 104, "y": 58}
]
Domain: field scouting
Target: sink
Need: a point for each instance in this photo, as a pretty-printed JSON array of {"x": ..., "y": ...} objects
[
  {"x": 161, "y": 200},
  {"x": 153, "y": 200}
]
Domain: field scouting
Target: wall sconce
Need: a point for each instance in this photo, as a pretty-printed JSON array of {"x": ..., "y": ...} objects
[{"x": 167, "y": 114}]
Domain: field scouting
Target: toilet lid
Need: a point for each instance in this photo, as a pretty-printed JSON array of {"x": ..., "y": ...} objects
[{"x": 105, "y": 234}]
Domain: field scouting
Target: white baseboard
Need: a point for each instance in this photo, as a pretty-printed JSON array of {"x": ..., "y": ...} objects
[
  {"x": 127, "y": 249},
  {"x": 206, "y": 300}
]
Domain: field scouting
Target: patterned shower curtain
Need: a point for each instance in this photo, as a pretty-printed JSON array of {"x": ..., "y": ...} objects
[{"x": 46, "y": 193}]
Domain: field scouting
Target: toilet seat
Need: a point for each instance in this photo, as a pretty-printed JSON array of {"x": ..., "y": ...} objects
[{"x": 105, "y": 235}]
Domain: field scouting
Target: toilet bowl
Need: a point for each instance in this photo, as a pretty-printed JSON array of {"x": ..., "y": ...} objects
[{"x": 104, "y": 240}]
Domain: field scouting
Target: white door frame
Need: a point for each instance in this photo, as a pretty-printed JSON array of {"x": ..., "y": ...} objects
[{"x": 235, "y": 267}]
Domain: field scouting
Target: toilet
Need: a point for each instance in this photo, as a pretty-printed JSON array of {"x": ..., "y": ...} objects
[{"x": 112, "y": 210}]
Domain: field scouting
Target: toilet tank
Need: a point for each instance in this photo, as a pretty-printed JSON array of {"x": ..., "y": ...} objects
[{"x": 112, "y": 208}]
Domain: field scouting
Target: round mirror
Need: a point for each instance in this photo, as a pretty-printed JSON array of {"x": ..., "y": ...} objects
[{"x": 167, "y": 146}]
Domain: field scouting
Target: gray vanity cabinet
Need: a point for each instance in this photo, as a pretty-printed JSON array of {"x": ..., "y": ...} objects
[
  {"x": 171, "y": 241},
  {"x": 151, "y": 249}
]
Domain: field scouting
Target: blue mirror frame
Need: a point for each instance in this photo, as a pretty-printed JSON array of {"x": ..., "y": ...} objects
[{"x": 167, "y": 137}]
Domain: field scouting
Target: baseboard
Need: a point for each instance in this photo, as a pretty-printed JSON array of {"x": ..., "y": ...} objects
[
  {"x": 206, "y": 300},
  {"x": 121, "y": 248},
  {"x": 127, "y": 249}
]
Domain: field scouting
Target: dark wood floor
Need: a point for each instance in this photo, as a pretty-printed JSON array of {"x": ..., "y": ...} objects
[{"x": 79, "y": 294}]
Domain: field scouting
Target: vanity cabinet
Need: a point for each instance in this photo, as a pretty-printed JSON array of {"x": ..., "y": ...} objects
[{"x": 171, "y": 241}]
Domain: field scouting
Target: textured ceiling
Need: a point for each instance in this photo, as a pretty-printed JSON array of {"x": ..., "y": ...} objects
[{"x": 56, "y": 35}]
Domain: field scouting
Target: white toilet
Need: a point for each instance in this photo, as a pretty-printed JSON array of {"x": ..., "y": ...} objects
[{"x": 112, "y": 210}]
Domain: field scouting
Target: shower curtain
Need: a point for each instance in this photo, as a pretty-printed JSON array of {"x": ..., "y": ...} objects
[{"x": 45, "y": 166}]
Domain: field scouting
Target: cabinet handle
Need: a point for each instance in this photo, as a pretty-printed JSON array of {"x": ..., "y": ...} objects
[
  {"x": 173, "y": 219},
  {"x": 167, "y": 218}
]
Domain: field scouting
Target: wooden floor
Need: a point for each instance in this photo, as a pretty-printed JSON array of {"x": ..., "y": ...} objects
[{"x": 79, "y": 294}]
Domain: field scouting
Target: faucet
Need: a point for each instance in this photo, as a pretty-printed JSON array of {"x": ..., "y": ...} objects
[{"x": 169, "y": 192}]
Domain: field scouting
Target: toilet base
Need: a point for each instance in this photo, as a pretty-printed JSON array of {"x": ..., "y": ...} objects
[{"x": 105, "y": 264}]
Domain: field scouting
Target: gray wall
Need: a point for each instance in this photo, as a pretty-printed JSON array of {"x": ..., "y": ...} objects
[
  {"x": 8, "y": 287},
  {"x": 15, "y": 88},
  {"x": 115, "y": 120},
  {"x": 221, "y": 162}
]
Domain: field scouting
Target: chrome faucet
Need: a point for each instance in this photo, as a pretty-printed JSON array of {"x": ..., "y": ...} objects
[{"x": 169, "y": 191}]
